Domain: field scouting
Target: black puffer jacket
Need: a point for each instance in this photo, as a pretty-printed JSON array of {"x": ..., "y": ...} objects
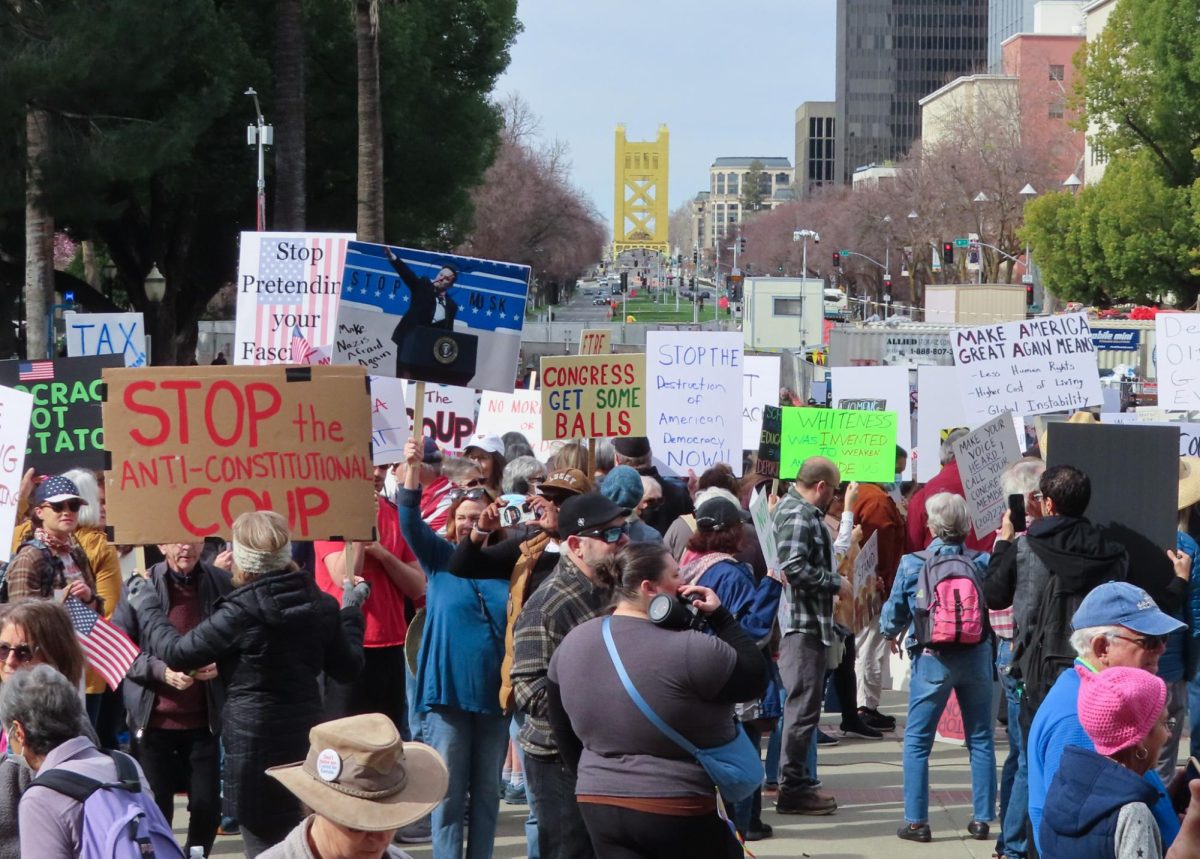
[{"x": 271, "y": 639}]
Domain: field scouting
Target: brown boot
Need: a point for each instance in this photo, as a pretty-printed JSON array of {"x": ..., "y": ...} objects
[{"x": 810, "y": 802}]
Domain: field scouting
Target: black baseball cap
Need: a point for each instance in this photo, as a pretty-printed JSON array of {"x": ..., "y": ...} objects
[
  {"x": 719, "y": 514},
  {"x": 584, "y": 512}
]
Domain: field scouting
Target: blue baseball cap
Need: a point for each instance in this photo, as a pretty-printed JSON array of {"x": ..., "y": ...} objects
[{"x": 1123, "y": 604}]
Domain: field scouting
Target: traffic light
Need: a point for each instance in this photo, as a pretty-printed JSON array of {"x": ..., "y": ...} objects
[
  {"x": 837, "y": 259},
  {"x": 624, "y": 281},
  {"x": 741, "y": 244},
  {"x": 887, "y": 282},
  {"x": 696, "y": 256},
  {"x": 947, "y": 253},
  {"x": 1029, "y": 295}
]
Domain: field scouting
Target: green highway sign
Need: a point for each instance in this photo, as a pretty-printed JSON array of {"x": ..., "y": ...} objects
[
  {"x": 962, "y": 243},
  {"x": 844, "y": 253}
]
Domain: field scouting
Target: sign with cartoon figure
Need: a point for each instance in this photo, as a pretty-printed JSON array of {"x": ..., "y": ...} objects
[{"x": 431, "y": 317}]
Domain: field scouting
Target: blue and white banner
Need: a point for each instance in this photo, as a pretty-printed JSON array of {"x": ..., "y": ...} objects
[
  {"x": 431, "y": 317},
  {"x": 1116, "y": 339},
  {"x": 107, "y": 334}
]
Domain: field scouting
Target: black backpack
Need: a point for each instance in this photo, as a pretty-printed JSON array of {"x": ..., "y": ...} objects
[{"x": 55, "y": 562}]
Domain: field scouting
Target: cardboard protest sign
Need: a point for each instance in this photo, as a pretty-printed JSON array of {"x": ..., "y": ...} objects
[
  {"x": 760, "y": 387},
  {"x": 595, "y": 341},
  {"x": 862, "y": 388},
  {"x": 65, "y": 429},
  {"x": 520, "y": 411},
  {"x": 287, "y": 289},
  {"x": 941, "y": 409},
  {"x": 867, "y": 604},
  {"x": 431, "y": 317},
  {"x": 1028, "y": 367},
  {"x": 769, "y": 443},
  {"x": 862, "y": 444},
  {"x": 16, "y": 407},
  {"x": 760, "y": 515},
  {"x": 982, "y": 455},
  {"x": 1177, "y": 360},
  {"x": 1189, "y": 431},
  {"x": 593, "y": 396},
  {"x": 694, "y": 398},
  {"x": 194, "y": 447},
  {"x": 391, "y": 423},
  {"x": 449, "y": 415},
  {"x": 107, "y": 334}
]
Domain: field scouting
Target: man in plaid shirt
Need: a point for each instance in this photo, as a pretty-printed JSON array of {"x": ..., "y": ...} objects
[{"x": 806, "y": 619}]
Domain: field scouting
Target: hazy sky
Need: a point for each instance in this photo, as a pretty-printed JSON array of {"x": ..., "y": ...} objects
[{"x": 726, "y": 79}]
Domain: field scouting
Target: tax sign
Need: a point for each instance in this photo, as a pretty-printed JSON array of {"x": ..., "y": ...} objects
[{"x": 194, "y": 447}]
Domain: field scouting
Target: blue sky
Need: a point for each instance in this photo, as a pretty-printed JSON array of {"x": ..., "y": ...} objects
[{"x": 725, "y": 77}]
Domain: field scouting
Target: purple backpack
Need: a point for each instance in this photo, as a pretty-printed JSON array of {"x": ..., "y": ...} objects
[{"x": 120, "y": 821}]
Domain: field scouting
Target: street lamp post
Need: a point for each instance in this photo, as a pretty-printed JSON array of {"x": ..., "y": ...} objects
[
  {"x": 912, "y": 263},
  {"x": 980, "y": 198},
  {"x": 1027, "y": 193},
  {"x": 804, "y": 236},
  {"x": 155, "y": 286},
  {"x": 261, "y": 135}
]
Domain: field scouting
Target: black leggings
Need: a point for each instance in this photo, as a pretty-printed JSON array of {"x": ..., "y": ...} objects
[{"x": 622, "y": 833}]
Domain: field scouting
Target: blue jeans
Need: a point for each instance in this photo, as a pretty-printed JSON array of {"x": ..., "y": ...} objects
[
  {"x": 473, "y": 746},
  {"x": 1014, "y": 778},
  {"x": 531, "y": 836},
  {"x": 415, "y": 716},
  {"x": 968, "y": 673}
]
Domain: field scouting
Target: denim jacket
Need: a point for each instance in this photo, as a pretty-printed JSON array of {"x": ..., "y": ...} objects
[{"x": 897, "y": 614}]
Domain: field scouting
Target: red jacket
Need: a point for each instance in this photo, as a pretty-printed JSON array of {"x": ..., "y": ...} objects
[
  {"x": 947, "y": 480},
  {"x": 877, "y": 513}
]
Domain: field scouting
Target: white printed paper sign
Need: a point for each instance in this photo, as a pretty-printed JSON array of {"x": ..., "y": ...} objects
[
  {"x": 16, "y": 407},
  {"x": 391, "y": 423},
  {"x": 862, "y": 388},
  {"x": 760, "y": 387},
  {"x": 982, "y": 455},
  {"x": 287, "y": 297},
  {"x": 1028, "y": 367},
  {"x": 107, "y": 334},
  {"x": 520, "y": 411},
  {"x": 1177, "y": 359},
  {"x": 694, "y": 399},
  {"x": 939, "y": 408},
  {"x": 760, "y": 515}
]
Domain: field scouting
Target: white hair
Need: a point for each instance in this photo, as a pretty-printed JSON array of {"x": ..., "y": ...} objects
[
  {"x": 716, "y": 492},
  {"x": 1081, "y": 639},
  {"x": 946, "y": 454},
  {"x": 651, "y": 488},
  {"x": 1022, "y": 476},
  {"x": 89, "y": 491},
  {"x": 947, "y": 517}
]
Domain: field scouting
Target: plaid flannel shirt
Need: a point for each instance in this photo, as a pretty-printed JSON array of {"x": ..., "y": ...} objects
[
  {"x": 564, "y": 601},
  {"x": 806, "y": 559}
]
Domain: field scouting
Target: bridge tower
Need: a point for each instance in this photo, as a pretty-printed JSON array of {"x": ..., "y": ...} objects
[{"x": 640, "y": 216}]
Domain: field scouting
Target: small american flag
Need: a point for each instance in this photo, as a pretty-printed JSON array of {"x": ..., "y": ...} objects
[
  {"x": 302, "y": 351},
  {"x": 33, "y": 371},
  {"x": 106, "y": 648}
]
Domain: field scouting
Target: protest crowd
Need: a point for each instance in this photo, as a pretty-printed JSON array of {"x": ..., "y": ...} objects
[{"x": 634, "y": 631}]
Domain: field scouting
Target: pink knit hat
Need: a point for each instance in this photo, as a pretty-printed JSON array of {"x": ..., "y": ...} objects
[{"x": 1119, "y": 706}]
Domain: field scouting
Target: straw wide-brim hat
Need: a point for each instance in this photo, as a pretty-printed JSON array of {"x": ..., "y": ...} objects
[
  {"x": 361, "y": 775},
  {"x": 1077, "y": 418},
  {"x": 1189, "y": 481},
  {"x": 412, "y": 640}
]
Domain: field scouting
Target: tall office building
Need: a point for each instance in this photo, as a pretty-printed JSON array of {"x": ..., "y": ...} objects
[
  {"x": 1006, "y": 18},
  {"x": 816, "y": 150},
  {"x": 890, "y": 54}
]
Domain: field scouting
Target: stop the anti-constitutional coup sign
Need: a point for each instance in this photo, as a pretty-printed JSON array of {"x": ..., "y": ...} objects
[{"x": 194, "y": 447}]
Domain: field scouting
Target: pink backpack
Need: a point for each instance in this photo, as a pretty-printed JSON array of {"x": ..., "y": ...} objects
[{"x": 950, "y": 607}]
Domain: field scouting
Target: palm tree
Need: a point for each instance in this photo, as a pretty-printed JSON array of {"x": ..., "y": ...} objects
[
  {"x": 290, "y": 150},
  {"x": 39, "y": 239},
  {"x": 370, "y": 122}
]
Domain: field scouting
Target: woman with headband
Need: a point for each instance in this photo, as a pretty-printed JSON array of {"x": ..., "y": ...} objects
[{"x": 271, "y": 639}]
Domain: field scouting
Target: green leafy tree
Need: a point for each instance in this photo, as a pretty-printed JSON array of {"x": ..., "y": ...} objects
[
  {"x": 753, "y": 193},
  {"x": 1138, "y": 83}
]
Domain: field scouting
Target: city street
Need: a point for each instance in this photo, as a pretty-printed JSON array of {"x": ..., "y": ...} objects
[{"x": 864, "y": 775}]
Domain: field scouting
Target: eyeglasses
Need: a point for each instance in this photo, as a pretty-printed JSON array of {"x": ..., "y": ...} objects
[
  {"x": 1170, "y": 724},
  {"x": 1037, "y": 496},
  {"x": 59, "y": 506},
  {"x": 475, "y": 481},
  {"x": 1145, "y": 642},
  {"x": 472, "y": 494},
  {"x": 23, "y": 652},
  {"x": 708, "y": 523},
  {"x": 608, "y": 535}
]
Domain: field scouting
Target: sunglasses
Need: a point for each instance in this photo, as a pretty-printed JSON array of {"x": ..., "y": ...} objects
[
  {"x": 59, "y": 506},
  {"x": 607, "y": 535},
  {"x": 24, "y": 652},
  {"x": 708, "y": 523},
  {"x": 472, "y": 494},
  {"x": 1145, "y": 642},
  {"x": 475, "y": 481}
]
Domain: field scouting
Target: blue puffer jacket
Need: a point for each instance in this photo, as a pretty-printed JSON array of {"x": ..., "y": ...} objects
[
  {"x": 1185, "y": 543},
  {"x": 1082, "y": 805}
]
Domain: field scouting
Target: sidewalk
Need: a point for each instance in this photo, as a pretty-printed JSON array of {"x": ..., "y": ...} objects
[{"x": 867, "y": 779}]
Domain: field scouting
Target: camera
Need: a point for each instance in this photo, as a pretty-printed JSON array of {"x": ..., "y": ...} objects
[{"x": 676, "y": 612}]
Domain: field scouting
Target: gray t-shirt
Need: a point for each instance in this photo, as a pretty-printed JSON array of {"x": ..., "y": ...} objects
[{"x": 677, "y": 673}]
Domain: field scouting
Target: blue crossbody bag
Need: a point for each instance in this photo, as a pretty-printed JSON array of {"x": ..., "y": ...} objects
[{"x": 735, "y": 767}]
